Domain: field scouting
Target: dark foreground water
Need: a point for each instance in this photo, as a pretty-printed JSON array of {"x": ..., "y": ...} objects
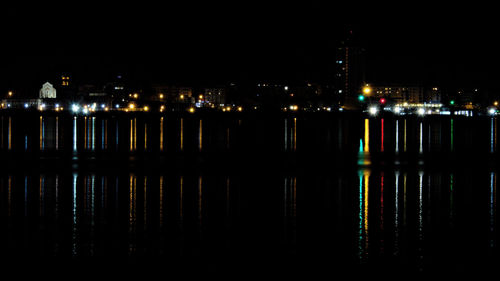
[{"x": 247, "y": 195}]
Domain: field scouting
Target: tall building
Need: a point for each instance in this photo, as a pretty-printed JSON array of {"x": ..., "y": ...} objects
[{"x": 349, "y": 70}]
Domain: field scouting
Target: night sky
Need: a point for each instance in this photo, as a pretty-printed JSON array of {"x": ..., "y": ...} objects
[{"x": 454, "y": 46}]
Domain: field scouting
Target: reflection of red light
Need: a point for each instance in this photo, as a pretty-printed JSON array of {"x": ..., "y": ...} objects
[{"x": 382, "y": 100}]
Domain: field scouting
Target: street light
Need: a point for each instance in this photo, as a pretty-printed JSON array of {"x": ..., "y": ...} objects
[
  {"x": 373, "y": 110},
  {"x": 492, "y": 111},
  {"x": 421, "y": 111},
  {"x": 367, "y": 90}
]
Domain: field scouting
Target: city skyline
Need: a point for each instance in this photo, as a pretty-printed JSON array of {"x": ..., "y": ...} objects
[{"x": 184, "y": 45}]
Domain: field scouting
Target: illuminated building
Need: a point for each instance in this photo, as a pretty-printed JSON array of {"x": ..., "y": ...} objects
[
  {"x": 47, "y": 91},
  {"x": 214, "y": 96},
  {"x": 433, "y": 95},
  {"x": 65, "y": 80},
  {"x": 399, "y": 93},
  {"x": 349, "y": 73}
]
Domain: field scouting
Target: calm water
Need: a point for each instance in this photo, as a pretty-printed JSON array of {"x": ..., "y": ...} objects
[{"x": 227, "y": 194}]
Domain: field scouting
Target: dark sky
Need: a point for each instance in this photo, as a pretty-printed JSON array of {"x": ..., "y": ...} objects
[{"x": 192, "y": 42}]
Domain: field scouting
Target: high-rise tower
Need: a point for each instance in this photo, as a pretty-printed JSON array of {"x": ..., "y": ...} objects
[{"x": 349, "y": 69}]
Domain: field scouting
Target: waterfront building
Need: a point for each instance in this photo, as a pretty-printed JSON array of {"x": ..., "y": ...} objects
[
  {"x": 349, "y": 70},
  {"x": 214, "y": 97},
  {"x": 47, "y": 91},
  {"x": 399, "y": 93}
]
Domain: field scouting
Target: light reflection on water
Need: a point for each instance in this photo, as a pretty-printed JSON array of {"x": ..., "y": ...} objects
[
  {"x": 402, "y": 137},
  {"x": 400, "y": 215}
]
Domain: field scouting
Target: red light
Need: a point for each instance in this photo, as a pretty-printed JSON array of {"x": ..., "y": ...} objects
[{"x": 382, "y": 101}]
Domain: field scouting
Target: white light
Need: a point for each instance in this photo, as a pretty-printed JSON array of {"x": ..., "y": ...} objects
[
  {"x": 26, "y": 105},
  {"x": 286, "y": 88},
  {"x": 103, "y": 105},
  {"x": 85, "y": 110},
  {"x": 492, "y": 111},
  {"x": 117, "y": 106},
  {"x": 57, "y": 105},
  {"x": 373, "y": 110},
  {"x": 397, "y": 109},
  {"x": 75, "y": 108},
  {"x": 421, "y": 111}
]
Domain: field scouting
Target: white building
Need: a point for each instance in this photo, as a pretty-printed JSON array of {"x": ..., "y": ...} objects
[{"x": 47, "y": 91}]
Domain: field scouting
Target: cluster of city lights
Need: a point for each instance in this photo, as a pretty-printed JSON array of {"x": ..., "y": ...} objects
[
  {"x": 420, "y": 109},
  {"x": 88, "y": 108}
]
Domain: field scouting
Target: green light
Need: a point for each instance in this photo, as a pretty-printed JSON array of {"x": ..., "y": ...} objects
[
  {"x": 452, "y": 102},
  {"x": 361, "y": 98}
]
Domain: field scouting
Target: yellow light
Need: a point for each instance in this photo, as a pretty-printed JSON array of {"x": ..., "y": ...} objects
[
  {"x": 131, "y": 106},
  {"x": 191, "y": 109},
  {"x": 182, "y": 97},
  {"x": 136, "y": 96},
  {"x": 367, "y": 90},
  {"x": 161, "y": 96},
  {"x": 240, "y": 109},
  {"x": 228, "y": 108},
  {"x": 10, "y": 93},
  {"x": 495, "y": 103},
  {"x": 200, "y": 97},
  {"x": 146, "y": 108}
]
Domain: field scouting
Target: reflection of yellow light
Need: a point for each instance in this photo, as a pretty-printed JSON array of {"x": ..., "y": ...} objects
[
  {"x": 162, "y": 108},
  {"x": 191, "y": 109}
]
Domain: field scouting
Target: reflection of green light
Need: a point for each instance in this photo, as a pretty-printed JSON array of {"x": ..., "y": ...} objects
[
  {"x": 451, "y": 197},
  {"x": 452, "y": 102},
  {"x": 361, "y": 98}
]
